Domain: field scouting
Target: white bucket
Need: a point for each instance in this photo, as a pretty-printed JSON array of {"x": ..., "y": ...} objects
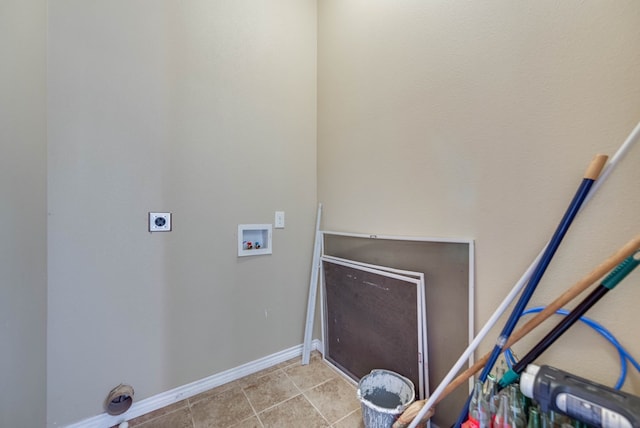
[{"x": 384, "y": 395}]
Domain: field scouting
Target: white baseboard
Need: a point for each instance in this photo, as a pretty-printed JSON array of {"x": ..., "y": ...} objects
[{"x": 172, "y": 396}]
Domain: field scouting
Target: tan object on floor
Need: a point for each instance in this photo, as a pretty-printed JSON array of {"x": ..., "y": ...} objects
[{"x": 406, "y": 418}]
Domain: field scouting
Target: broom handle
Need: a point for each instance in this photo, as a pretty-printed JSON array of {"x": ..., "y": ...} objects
[{"x": 600, "y": 271}]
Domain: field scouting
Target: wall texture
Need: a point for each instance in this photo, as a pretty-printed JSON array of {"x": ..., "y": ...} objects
[
  {"x": 478, "y": 119},
  {"x": 205, "y": 109},
  {"x": 434, "y": 118},
  {"x": 23, "y": 245}
]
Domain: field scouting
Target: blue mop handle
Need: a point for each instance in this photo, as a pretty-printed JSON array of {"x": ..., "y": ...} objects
[{"x": 590, "y": 176}]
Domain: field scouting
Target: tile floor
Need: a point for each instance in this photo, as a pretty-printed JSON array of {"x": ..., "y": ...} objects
[{"x": 286, "y": 395}]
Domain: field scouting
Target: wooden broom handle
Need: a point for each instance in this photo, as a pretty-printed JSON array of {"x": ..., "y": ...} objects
[
  {"x": 595, "y": 167},
  {"x": 600, "y": 271}
]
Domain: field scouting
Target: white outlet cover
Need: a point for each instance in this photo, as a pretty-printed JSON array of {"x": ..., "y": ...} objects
[
  {"x": 279, "y": 220},
  {"x": 159, "y": 222}
]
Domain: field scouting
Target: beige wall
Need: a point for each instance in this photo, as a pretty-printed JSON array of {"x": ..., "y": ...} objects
[
  {"x": 438, "y": 118},
  {"x": 478, "y": 119},
  {"x": 23, "y": 258},
  {"x": 205, "y": 109}
]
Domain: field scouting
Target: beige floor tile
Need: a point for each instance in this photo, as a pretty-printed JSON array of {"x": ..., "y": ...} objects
[
  {"x": 178, "y": 419},
  {"x": 222, "y": 410},
  {"x": 253, "y": 378},
  {"x": 156, "y": 414},
  {"x": 275, "y": 394},
  {"x": 252, "y": 422},
  {"x": 294, "y": 413},
  {"x": 315, "y": 355},
  {"x": 214, "y": 391},
  {"x": 334, "y": 399},
  {"x": 313, "y": 374},
  {"x": 354, "y": 420},
  {"x": 291, "y": 362},
  {"x": 270, "y": 390}
]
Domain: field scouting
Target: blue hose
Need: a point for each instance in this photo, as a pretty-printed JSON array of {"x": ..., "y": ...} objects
[
  {"x": 624, "y": 354},
  {"x": 509, "y": 358}
]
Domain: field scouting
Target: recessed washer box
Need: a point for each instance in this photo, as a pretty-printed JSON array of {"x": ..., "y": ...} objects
[{"x": 254, "y": 239}]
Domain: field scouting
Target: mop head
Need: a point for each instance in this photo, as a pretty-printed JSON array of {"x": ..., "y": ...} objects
[{"x": 411, "y": 412}]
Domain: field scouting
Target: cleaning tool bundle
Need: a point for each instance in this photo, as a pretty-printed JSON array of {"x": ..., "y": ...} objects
[
  {"x": 613, "y": 279},
  {"x": 594, "y": 169},
  {"x": 421, "y": 408},
  {"x": 572, "y": 292}
]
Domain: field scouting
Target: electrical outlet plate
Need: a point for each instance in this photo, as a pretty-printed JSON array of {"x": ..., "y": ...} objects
[{"x": 159, "y": 222}]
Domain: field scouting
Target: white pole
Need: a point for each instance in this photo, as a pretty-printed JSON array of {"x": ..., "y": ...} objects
[
  {"x": 313, "y": 291},
  {"x": 608, "y": 169}
]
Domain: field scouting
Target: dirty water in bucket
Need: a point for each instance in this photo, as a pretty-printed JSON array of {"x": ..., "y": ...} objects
[
  {"x": 384, "y": 395},
  {"x": 383, "y": 398}
]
